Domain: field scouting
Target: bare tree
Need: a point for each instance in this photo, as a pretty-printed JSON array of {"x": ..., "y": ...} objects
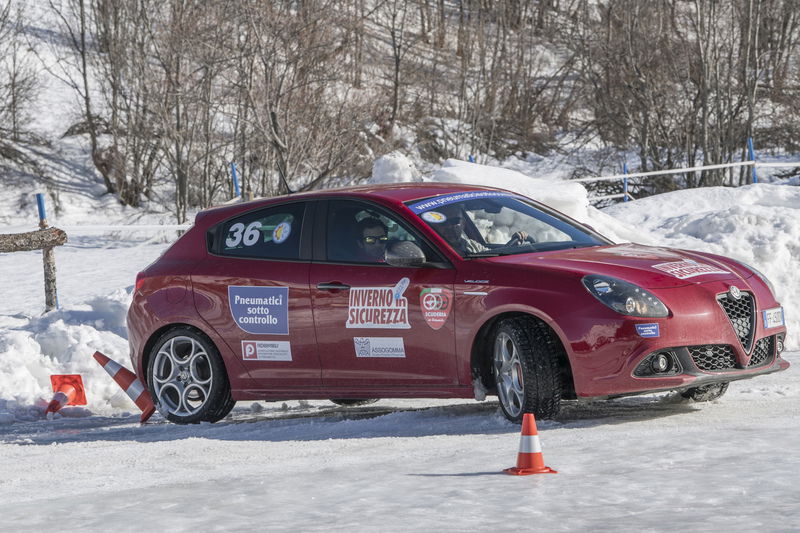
[{"x": 19, "y": 78}]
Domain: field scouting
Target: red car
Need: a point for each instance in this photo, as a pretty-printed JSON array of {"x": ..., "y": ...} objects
[{"x": 436, "y": 291}]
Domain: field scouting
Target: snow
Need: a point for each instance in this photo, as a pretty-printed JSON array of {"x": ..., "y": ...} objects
[
  {"x": 641, "y": 464},
  {"x": 647, "y": 463},
  {"x": 394, "y": 167}
]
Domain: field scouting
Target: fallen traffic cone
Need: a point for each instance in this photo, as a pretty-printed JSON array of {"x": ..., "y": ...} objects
[
  {"x": 529, "y": 458},
  {"x": 130, "y": 384},
  {"x": 68, "y": 389}
]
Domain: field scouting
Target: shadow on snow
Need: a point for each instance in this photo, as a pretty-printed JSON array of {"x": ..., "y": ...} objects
[{"x": 304, "y": 424}]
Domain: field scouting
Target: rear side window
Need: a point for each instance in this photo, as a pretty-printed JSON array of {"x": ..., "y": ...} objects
[{"x": 272, "y": 233}]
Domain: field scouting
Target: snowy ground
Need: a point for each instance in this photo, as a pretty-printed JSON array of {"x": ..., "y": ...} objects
[
  {"x": 638, "y": 464},
  {"x": 653, "y": 463}
]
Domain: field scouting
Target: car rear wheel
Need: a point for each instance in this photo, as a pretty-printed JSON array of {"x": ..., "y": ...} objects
[
  {"x": 706, "y": 393},
  {"x": 525, "y": 366},
  {"x": 348, "y": 402},
  {"x": 187, "y": 378}
]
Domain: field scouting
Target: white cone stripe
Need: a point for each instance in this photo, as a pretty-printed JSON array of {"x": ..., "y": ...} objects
[
  {"x": 112, "y": 367},
  {"x": 529, "y": 444},
  {"x": 61, "y": 398},
  {"x": 134, "y": 390}
]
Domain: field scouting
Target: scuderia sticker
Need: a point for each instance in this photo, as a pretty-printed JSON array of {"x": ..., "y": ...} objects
[
  {"x": 436, "y": 305},
  {"x": 688, "y": 269},
  {"x": 379, "y": 307}
]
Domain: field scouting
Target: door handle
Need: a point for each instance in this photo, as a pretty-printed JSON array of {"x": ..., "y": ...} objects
[{"x": 332, "y": 286}]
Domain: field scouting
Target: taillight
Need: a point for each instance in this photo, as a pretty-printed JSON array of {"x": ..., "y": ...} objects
[{"x": 139, "y": 281}]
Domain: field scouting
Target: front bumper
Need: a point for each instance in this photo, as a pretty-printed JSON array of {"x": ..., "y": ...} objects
[{"x": 705, "y": 347}]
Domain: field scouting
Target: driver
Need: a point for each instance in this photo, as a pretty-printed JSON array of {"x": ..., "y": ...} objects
[
  {"x": 452, "y": 229},
  {"x": 372, "y": 239}
]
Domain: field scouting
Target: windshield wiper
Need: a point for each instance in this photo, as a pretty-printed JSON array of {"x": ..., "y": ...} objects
[
  {"x": 532, "y": 248},
  {"x": 483, "y": 254}
]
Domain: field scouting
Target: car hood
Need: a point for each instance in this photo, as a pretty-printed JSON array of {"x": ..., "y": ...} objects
[{"x": 647, "y": 266}]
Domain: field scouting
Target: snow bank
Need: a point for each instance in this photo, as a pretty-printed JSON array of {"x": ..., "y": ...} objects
[
  {"x": 758, "y": 224},
  {"x": 394, "y": 168},
  {"x": 62, "y": 342}
]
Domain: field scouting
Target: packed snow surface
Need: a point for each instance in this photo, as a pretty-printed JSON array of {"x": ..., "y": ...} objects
[{"x": 651, "y": 463}]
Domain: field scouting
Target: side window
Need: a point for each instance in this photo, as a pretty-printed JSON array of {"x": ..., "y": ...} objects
[
  {"x": 358, "y": 233},
  {"x": 272, "y": 233}
]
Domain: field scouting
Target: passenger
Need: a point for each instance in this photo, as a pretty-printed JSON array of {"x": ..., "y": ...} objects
[
  {"x": 452, "y": 229},
  {"x": 372, "y": 239}
]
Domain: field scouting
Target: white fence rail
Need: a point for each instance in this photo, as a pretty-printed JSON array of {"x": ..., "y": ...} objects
[
  {"x": 630, "y": 175},
  {"x": 84, "y": 229}
]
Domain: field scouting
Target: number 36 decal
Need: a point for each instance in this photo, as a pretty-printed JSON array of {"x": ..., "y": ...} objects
[{"x": 239, "y": 234}]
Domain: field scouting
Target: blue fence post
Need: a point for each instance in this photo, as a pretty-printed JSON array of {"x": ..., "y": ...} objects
[
  {"x": 752, "y": 155},
  {"x": 42, "y": 210},
  {"x": 625, "y": 182},
  {"x": 236, "y": 191}
]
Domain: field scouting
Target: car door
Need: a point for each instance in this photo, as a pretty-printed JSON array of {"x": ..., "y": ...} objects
[
  {"x": 377, "y": 324},
  {"x": 253, "y": 290}
]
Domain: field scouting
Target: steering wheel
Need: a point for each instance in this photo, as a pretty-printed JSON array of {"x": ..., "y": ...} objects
[{"x": 516, "y": 241}]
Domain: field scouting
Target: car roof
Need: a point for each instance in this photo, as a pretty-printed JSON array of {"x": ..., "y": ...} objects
[{"x": 394, "y": 192}]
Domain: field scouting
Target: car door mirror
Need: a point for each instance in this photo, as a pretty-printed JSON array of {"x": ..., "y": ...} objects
[{"x": 404, "y": 254}]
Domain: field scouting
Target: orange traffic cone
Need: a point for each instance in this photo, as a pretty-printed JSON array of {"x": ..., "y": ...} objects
[
  {"x": 68, "y": 389},
  {"x": 130, "y": 384},
  {"x": 529, "y": 458}
]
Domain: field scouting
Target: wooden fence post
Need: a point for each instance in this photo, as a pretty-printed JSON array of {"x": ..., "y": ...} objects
[
  {"x": 49, "y": 260},
  {"x": 45, "y": 239}
]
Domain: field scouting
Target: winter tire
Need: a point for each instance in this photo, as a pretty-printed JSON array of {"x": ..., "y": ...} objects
[
  {"x": 525, "y": 365},
  {"x": 706, "y": 393},
  {"x": 187, "y": 379}
]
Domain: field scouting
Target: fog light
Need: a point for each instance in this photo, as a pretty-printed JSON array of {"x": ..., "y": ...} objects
[
  {"x": 780, "y": 345},
  {"x": 660, "y": 363}
]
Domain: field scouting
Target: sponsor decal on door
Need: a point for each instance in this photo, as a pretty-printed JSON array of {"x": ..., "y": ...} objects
[
  {"x": 379, "y": 346},
  {"x": 378, "y": 307}
]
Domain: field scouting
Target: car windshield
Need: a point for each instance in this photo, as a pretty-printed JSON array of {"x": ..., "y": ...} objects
[{"x": 493, "y": 223}]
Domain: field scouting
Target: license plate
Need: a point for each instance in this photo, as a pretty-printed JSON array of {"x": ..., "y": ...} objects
[{"x": 773, "y": 317}]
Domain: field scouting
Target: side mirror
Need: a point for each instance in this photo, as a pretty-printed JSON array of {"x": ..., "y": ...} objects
[{"x": 404, "y": 254}]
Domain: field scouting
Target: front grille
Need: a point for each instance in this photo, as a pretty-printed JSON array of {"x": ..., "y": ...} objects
[
  {"x": 741, "y": 313},
  {"x": 763, "y": 352},
  {"x": 713, "y": 357},
  {"x": 720, "y": 357}
]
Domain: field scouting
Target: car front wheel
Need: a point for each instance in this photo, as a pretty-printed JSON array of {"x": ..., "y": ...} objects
[
  {"x": 187, "y": 378},
  {"x": 526, "y": 368}
]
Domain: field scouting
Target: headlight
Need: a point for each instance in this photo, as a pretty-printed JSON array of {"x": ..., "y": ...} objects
[
  {"x": 625, "y": 298},
  {"x": 758, "y": 273}
]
